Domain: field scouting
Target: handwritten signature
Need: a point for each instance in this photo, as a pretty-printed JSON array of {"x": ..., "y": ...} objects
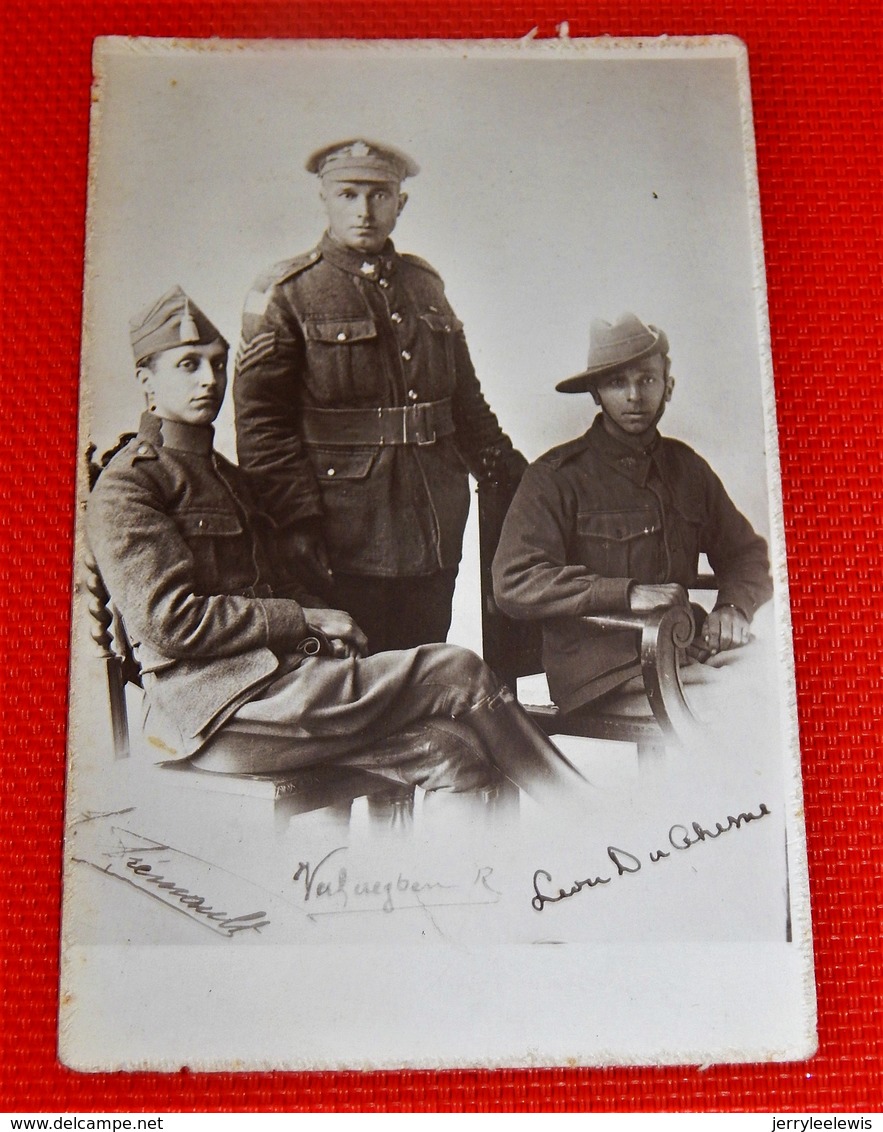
[
  {"x": 331, "y": 884},
  {"x": 680, "y": 838},
  {"x": 195, "y": 904}
]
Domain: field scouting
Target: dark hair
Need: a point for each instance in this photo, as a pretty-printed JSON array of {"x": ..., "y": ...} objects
[{"x": 149, "y": 361}]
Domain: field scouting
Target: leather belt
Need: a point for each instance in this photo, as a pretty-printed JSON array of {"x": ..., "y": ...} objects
[{"x": 422, "y": 423}]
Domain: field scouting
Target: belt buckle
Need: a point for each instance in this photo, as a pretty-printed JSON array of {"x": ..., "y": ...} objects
[{"x": 421, "y": 437}]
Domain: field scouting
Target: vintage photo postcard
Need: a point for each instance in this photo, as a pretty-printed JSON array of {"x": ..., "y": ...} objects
[{"x": 432, "y": 694}]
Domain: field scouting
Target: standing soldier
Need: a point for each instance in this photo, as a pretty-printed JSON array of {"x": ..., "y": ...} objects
[{"x": 358, "y": 412}]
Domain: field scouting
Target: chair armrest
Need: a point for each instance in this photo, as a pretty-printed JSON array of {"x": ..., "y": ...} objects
[{"x": 663, "y": 632}]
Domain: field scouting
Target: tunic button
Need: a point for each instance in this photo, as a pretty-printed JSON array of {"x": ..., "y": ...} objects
[
  {"x": 143, "y": 450},
  {"x": 412, "y": 394},
  {"x": 330, "y": 471},
  {"x": 396, "y": 317},
  {"x": 383, "y": 283},
  {"x": 341, "y": 336},
  {"x": 406, "y": 355}
]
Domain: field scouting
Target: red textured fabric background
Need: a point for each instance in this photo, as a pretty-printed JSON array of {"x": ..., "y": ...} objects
[{"x": 815, "y": 70}]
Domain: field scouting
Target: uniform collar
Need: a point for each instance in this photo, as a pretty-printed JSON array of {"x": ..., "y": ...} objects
[
  {"x": 630, "y": 459},
  {"x": 618, "y": 447},
  {"x": 197, "y": 439},
  {"x": 363, "y": 264}
]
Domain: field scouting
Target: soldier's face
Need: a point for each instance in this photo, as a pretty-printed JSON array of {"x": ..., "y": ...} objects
[
  {"x": 362, "y": 214},
  {"x": 187, "y": 383},
  {"x": 633, "y": 399}
]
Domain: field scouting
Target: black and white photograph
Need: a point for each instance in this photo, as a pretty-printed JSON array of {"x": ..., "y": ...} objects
[{"x": 432, "y": 697}]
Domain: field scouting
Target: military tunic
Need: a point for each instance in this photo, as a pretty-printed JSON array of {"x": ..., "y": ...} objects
[
  {"x": 357, "y": 403},
  {"x": 185, "y": 556},
  {"x": 177, "y": 543},
  {"x": 595, "y": 516}
]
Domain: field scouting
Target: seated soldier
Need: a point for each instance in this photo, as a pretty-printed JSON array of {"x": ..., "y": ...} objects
[
  {"x": 616, "y": 521},
  {"x": 189, "y": 562}
]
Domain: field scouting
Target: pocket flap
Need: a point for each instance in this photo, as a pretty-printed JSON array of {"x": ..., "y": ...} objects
[
  {"x": 339, "y": 330},
  {"x": 617, "y": 526},
  {"x": 216, "y": 524},
  {"x": 333, "y": 465}
]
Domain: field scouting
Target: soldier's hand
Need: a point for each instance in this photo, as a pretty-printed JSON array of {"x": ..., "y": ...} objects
[
  {"x": 643, "y": 598},
  {"x": 725, "y": 628},
  {"x": 346, "y": 638},
  {"x": 307, "y": 556},
  {"x": 502, "y": 465}
]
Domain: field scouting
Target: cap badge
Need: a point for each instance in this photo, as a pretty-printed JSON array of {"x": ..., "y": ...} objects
[{"x": 359, "y": 149}]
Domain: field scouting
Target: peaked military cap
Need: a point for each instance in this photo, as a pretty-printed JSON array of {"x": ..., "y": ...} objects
[
  {"x": 359, "y": 159},
  {"x": 612, "y": 346},
  {"x": 173, "y": 320}
]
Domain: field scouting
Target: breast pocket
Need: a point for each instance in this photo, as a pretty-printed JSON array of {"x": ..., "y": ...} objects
[
  {"x": 220, "y": 549},
  {"x": 342, "y": 359},
  {"x": 620, "y": 544}
]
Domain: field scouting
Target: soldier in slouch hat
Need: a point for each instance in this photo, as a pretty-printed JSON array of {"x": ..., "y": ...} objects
[
  {"x": 617, "y": 519},
  {"x": 358, "y": 411}
]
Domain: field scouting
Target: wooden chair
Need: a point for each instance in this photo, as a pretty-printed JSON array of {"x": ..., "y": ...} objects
[
  {"x": 334, "y": 788},
  {"x": 513, "y": 649}
]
